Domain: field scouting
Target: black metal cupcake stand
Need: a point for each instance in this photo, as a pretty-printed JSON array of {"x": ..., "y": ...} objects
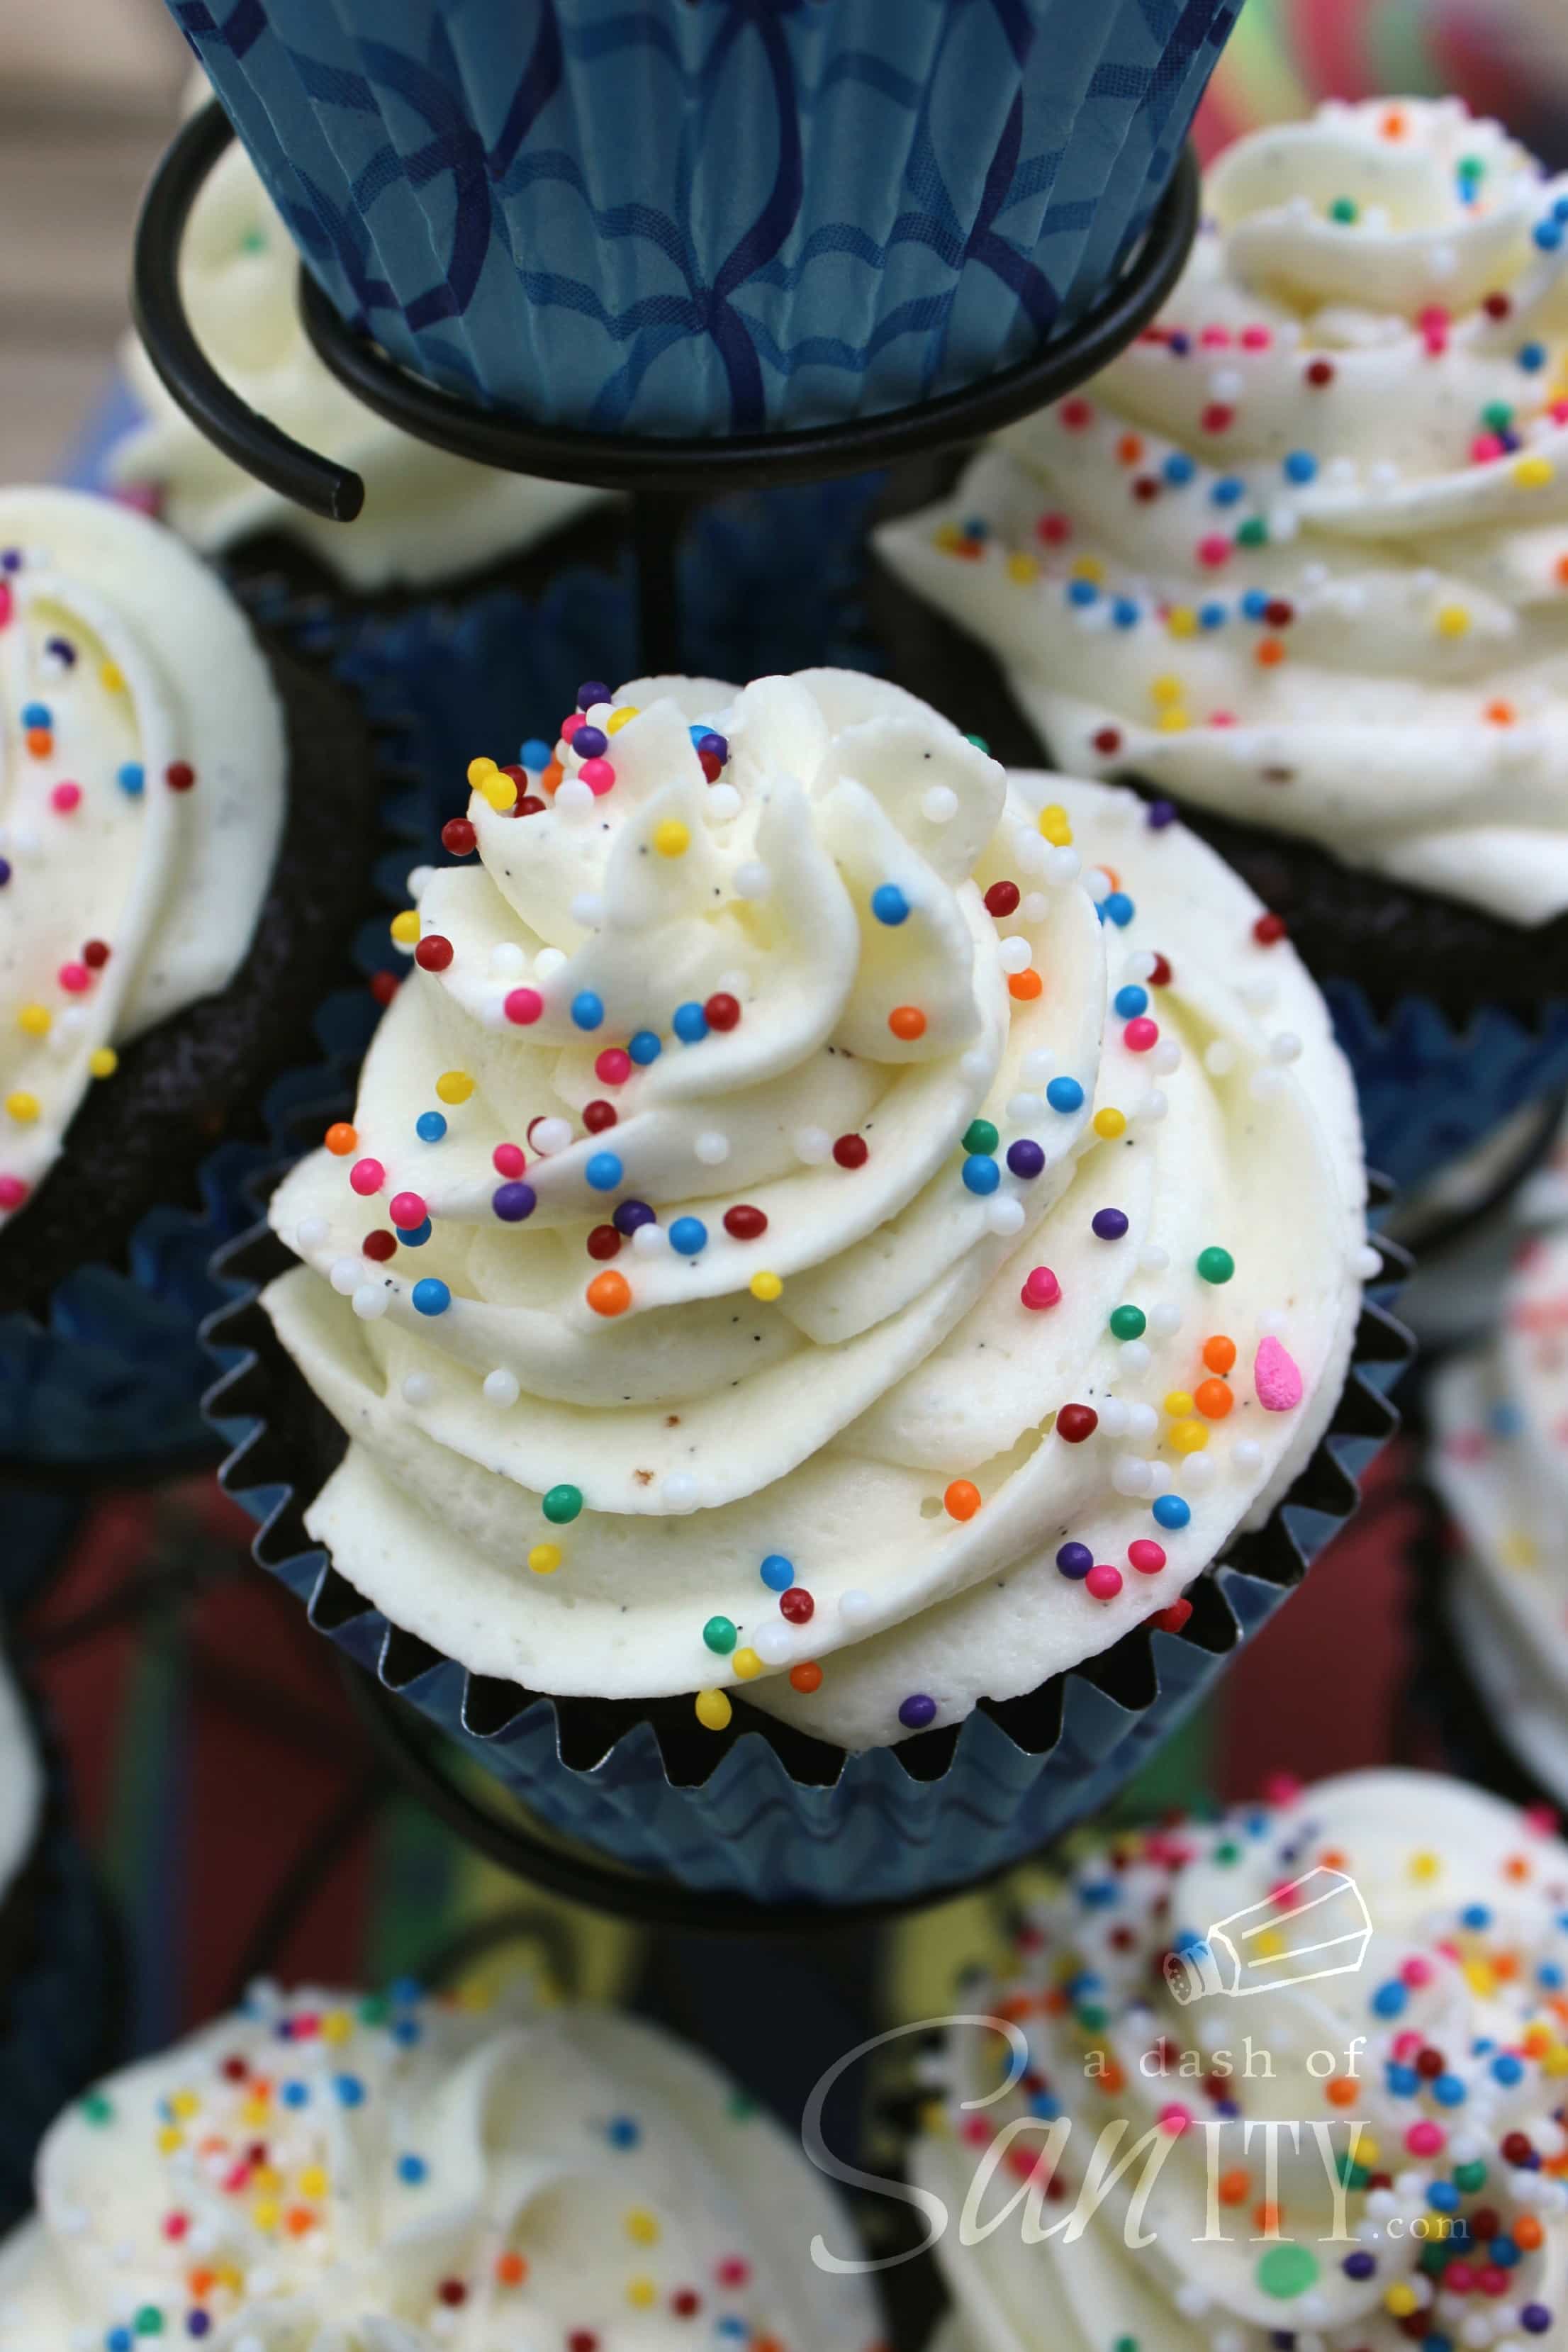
[{"x": 665, "y": 481}]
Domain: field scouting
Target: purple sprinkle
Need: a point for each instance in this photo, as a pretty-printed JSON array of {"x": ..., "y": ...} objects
[
  {"x": 512, "y": 1202},
  {"x": 627, "y": 1215},
  {"x": 11, "y": 561},
  {"x": 1536, "y": 2318},
  {"x": 4, "y": 871},
  {"x": 1161, "y": 815},
  {"x": 1025, "y": 1158},
  {"x": 591, "y": 690},
  {"x": 1178, "y": 345},
  {"x": 62, "y": 649},
  {"x": 715, "y": 743},
  {"x": 1108, "y": 1224},
  {"x": 1075, "y": 1560},
  {"x": 1359, "y": 2266},
  {"x": 590, "y": 742},
  {"x": 916, "y": 1711}
]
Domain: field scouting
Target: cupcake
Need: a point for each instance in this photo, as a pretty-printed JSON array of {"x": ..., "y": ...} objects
[
  {"x": 1298, "y": 561},
  {"x": 185, "y": 850},
  {"x": 1367, "y": 2152},
  {"x": 1498, "y": 1461},
  {"x": 58, "y": 2000},
  {"x": 831, "y": 1242},
  {"x": 550, "y": 208},
  {"x": 325, "y": 2168}
]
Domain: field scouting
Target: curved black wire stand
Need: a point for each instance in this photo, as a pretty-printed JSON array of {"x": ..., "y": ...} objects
[{"x": 663, "y": 478}]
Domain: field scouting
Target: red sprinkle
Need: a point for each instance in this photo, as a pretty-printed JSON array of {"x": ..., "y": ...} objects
[
  {"x": 384, "y": 986},
  {"x": 1318, "y": 373},
  {"x": 179, "y": 775},
  {"x": 1077, "y": 1422},
  {"x": 797, "y": 1605},
  {"x": 744, "y": 1224},
  {"x": 598, "y": 1115},
  {"x": 851, "y": 1152},
  {"x": 433, "y": 954},
  {"x": 459, "y": 835},
  {"x": 722, "y": 1011},
  {"x": 379, "y": 1246},
  {"x": 604, "y": 1242},
  {"x": 1268, "y": 929},
  {"x": 1002, "y": 899},
  {"x": 95, "y": 955},
  {"x": 1107, "y": 741}
]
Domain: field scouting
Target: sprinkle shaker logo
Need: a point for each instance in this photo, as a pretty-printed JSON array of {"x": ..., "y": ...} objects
[{"x": 1317, "y": 1925}]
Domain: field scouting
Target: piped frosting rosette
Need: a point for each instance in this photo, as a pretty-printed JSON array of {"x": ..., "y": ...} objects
[
  {"x": 1359, "y": 2148},
  {"x": 820, "y": 1219},
  {"x": 369, "y": 2173},
  {"x": 1301, "y": 553}
]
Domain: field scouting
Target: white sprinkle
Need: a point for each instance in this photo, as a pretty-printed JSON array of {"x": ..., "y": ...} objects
[
  {"x": 856, "y": 1606},
  {"x": 940, "y": 804},
  {"x": 1022, "y": 1109},
  {"x": 680, "y": 1491},
  {"x": 1153, "y": 1105},
  {"x": 975, "y": 1065},
  {"x": 1063, "y": 866},
  {"x": 1219, "y": 1058},
  {"x": 1154, "y": 1259},
  {"x": 1037, "y": 907},
  {"x": 1159, "y": 1474},
  {"x": 574, "y": 800},
  {"x": 418, "y": 876},
  {"x": 1226, "y": 383},
  {"x": 1005, "y": 1214},
  {"x": 548, "y": 962},
  {"x": 502, "y": 1386},
  {"x": 587, "y": 910},
  {"x": 1038, "y": 1063},
  {"x": 1285, "y": 1046},
  {"x": 310, "y": 1233},
  {"x": 1130, "y": 1475},
  {"x": 1114, "y": 1416},
  {"x": 1369, "y": 1264},
  {"x": 1258, "y": 992},
  {"x": 1165, "y": 1056},
  {"x": 419, "y": 1388},
  {"x": 772, "y": 1643},
  {"x": 1248, "y": 1455},
  {"x": 599, "y": 715},
  {"x": 1164, "y": 1319},
  {"x": 345, "y": 1276},
  {"x": 1442, "y": 260},
  {"x": 1265, "y": 1083},
  {"x": 811, "y": 1145},
  {"x": 723, "y": 801},
  {"x": 1197, "y": 1473},
  {"x": 506, "y": 959},
  {"x": 1015, "y": 955},
  {"x": 1133, "y": 1356},
  {"x": 1138, "y": 965},
  {"x": 371, "y": 1301},
  {"x": 649, "y": 1240},
  {"x": 1097, "y": 882},
  {"x": 1029, "y": 851},
  {"x": 1142, "y": 1421},
  {"x": 752, "y": 880},
  {"x": 711, "y": 1148}
]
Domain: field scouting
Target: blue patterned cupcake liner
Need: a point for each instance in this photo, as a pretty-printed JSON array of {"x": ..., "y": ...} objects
[
  {"x": 898, "y": 1825},
  {"x": 654, "y": 216}
]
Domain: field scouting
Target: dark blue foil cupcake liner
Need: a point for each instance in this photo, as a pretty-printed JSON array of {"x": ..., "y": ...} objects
[{"x": 758, "y": 1811}]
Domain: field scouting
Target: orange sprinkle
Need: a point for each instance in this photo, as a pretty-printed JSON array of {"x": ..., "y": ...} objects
[
  {"x": 201, "y": 2285},
  {"x": 511, "y": 2268},
  {"x": 1562, "y": 567},
  {"x": 1268, "y": 653},
  {"x": 1213, "y": 1399},
  {"x": 1129, "y": 449},
  {"x": 961, "y": 1499},
  {"x": 341, "y": 1137},
  {"x": 1113, "y": 2079},
  {"x": 1333, "y": 1857},
  {"x": 1505, "y": 1966},
  {"x": 1342, "y": 2091},
  {"x": 1266, "y": 2216},
  {"x": 609, "y": 1292},
  {"x": 1516, "y": 1867},
  {"x": 1393, "y": 125},
  {"x": 1015, "y": 2007},
  {"x": 40, "y": 742},
  {"x": 1501, "y": 714},
  {"x": 1526, "y": 2232},
  {"x": 907, "y": 1022},
  {"x": 1025, "y": 986},
  {"x": 806, "y": 1677},
  {"x": 1219, "y": 1353},
  {"x": 299, "y": 2220},
  {"x": 1234, "y": 2187},
  {"x": 551, "y": 776}
]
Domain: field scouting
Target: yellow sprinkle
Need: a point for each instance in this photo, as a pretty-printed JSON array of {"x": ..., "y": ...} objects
[
  {"x": 103, "y": 1061},
  {"x": 404, "y": 927},
  {"x": 713, "y": 1711},
  {"x": 642, "y": 2227},
  {"x": 268, "y": 2178},
  {"x": 1452, "y": 620},
  {"x": 1537, "y": 2041},
  {"x": 1479, "y": 1978},
  {"x": 1189, "y": 1436},
  {"x": 184, "y": 2103},
  {"x": 1023, "y": 568},
  {"x": 1555, "y": 2061},
  {"x": 766, "y": 1287},
  {"x": 23, "y": 1108},
  {"x": 1269, "y": 1943},
  {"x": 1089, "y": 567},
  {"x": 1182, "y": 621},
  {"x": 454, "y": 1086},
  {"x": 1057, "y": 825},
  {"x": 1423, "y": 1866},
  {"x": 545, "y": 1559},
  {"x": 111, "y": 678},
  {"x": 337, "y": 2026},
  {"x": 264, "y": 2213},
  {"x": 1165, "y": 690},
  {"x": 1518, "y": 1550},
  {"x": 479, "y": 770},
  {"x": 256, "y": 2109},
  {"x": 747, "y": 1665},
  {"x": 640, "y": 2292},
  {"x": 313, "y": 2182},
  {"x": 35, "y": 1020},
  {"x": 1109, "y": 1123},
  {"x": 170, "y": 2137},
  {"x": 1368, "y": 2151},
  {"x": 498, "y": 790},
  {"x": 671, "y": 838},
  {"x": 1178, "y": 1404},
  {"x": 1400, "y": 2299},
  {"x": 1532, "y": 473},
  {"x": 621, "y": 717},
  {"x": 950, "y": 539},
  {"x": 1175, "y": 721}
]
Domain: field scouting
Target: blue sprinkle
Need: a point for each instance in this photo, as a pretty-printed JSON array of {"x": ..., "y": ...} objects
[
  {"x": 1450, "y": 2091},
  {"x": 1131, "y": 1000},
  {"x": 1171, "y": 1510},
  {"x": 1506, "y": 1419},
  {"x": 407, "y": 2030},
  {"x": 1475, "y": 1915},
  {"x": 535, "y": 753},
  {"x": 1227, "y": 489},
  {"x": 415, "y": 1237},
  {"x": 1508, "y": 2070},
  {"x": 715, "y": 745},
  {"x": 431, "y": 1297},
  {"x": 133, "y": 780},
  {"x": 1255, "y": 603},
  {"x": 350, "y": 2090},
  {"x": 1530, "y": 356},
  {"x": 587, "y": 1010},
  {"x": 1082, "y": 592},
  {"x": 1504, "y": 2252},
  {"x": 118, "y": 2340},
  {"x": 36, "y": 714},
  {"x": 1118, "y": 909},
  {"x": 429, "y": 1127},
  {"x": 604, "y": 1171},
  {"x": 1300, "y": 465},
  {"x": 1044, "y": 2106},
  {"x": 1125, "y": 613},
  {"x": 889, "y": 904},
  {"x": 778, "y": 1573},
  {"x": 1179, "y": 467},
  {"x": 198, "y": 2323},
  {"x": 1560, "y": 208},
  {"x": 1212, "y": 616},
  {"x": 981, "y": 1173},
  {"x": 1442, "y": 2197},
  {"x": 1390, "y": 1999},
  {"x": 1548, "y": 235},
  {"x": 691, "y": 1023},
  {"x": 1550, "y": 1975},
  {"x": 1064, "y": 1095},
  {"x": 295, "y": 2095},
  {"x": 688, "y": 1235},
  {"x": 644, "y": 1047},
  {"x": 623, "y": 2131},
  {"x": 1098, "y": 1893},
  {"x": 977, "y": 528},
  {"x": 413, "y": 2169}
]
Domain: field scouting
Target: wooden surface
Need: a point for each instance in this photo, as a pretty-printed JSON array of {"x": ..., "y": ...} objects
[{"x": 89, "y": 91}]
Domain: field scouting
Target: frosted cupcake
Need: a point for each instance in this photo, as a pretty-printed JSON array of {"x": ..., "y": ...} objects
[
  {"x": 1300, "y": 559},
  {"x": 169, "y": 924},
  {"x": 321, "y": 2168},
  {"x": 1365, "y": 2153},
  {"x": 830, "y": 1239}
]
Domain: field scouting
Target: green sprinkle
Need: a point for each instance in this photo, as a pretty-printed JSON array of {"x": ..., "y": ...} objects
[
  {"x": 980, "y": 1136},
  {"x": 1215, "y": 1265},
  {"x": 562, "y": 1504},
  {"x": 1126, "y": 2344},
  {"x": 372, "y": 2010},
  {"x": 1253, "y": 533},
  {"x": 1227, "y": 1851},
  {"x": 149, "y": 2320},
  {"x": 743, "y": 2105},
  {"x": 978, "y": 742},
  {"x": 97, "y": 2110},
  {"x": 1093, "y": 2018},
  {"x": 1471, "y": 167},
  {"x": 1497, "y": 416},
  {"x": 1128, "y": 1322},
  {"x": 1286, "y": 2271},
  {"x": 252, "y": 241},
  {"x": 720, "y": 1636},
  {"x": 1469, "y": 2178},
  {"x": 1345, "y": 209}
]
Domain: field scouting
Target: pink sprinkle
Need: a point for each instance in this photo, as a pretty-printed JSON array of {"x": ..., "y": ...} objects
[
  {"x": 1415, "y": 1972},
  {"x": 66, "y": 797},
  {"x": 1426, "y": 2138},
  {"x": 1222, "y": 719},
  {"x": 570, "y": 724},
  {"x": 1542, "y": 1818},
  {"x": 4, "y": 605},
  {"x": 1053, "y": 529},
  {"x": 1276, "y": 1377},
  {"x": 1283, "y": 1894},
  {"x": 1215, "y": 339},
  {"x": 598, "y": 775},
  {"x": 1139, "y": 1034},
  {"x": 1436, "y": 342},
  {"x": 1041, "y": 1288},
  {"x": 1405, "y": 2045},
  {"x": 13, "y": 1192},
  {"x": 1146, "y": 1556},
  {"x": 1493, "y": 2279},
  {"x": 1459, "y": 2278},
  {"x": 367, "y": 1176},
  {"x": 1214, "y": 550},
  {"x": 1558, "y": 412},
  {"x": 75, "y": 978},
  {"x": 1025, "y": 2162},
  {"x": 523, "y": 1006},
  {"x": 508, "y": 1159},
  {"x": 1484, "y": 447},
  {"x": 614, "y": 1067},
  {"x": 1175, "y": 2121},
  {"x": 1281, "y": 1789},
  {"x": 734, "y": 2270},
  {"x": 975, "y": 2132},
  {"x": 407, "y": 1211},
  {"x": 1256, "y": 339},
  {"x": 1104, "y": 1583},
  {"x": 1432, "y": 319}
]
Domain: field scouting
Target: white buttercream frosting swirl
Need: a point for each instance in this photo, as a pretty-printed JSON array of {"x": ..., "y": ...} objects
[
  {"x": 323, "y": 2174},
  {"x": 427, "y": 514},
  {"x": 1300, "y": 554},
  {"x": 1396, "y": 2017},
  {"x": 142, "y": 785},
  {"x": 21, "y": 1782},
  {"x": 917, "y": 1145}
]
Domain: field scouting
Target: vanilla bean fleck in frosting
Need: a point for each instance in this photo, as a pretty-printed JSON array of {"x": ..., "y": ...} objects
[{"x": 820, "y": 1217}]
